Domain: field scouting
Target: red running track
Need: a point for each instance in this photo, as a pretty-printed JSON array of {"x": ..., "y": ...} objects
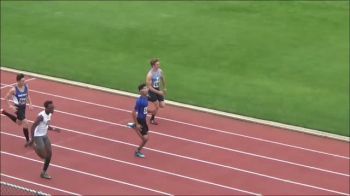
[{"x": 189, "y": 152}]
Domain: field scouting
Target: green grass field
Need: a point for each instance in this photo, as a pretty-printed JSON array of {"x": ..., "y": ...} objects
[{"x": 283, "y": 61}]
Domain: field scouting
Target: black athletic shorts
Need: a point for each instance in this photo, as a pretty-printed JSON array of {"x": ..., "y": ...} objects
[
  {"x": 21, "y": 112},
  {"x": 144, "y": 126},
  {"x": 152, "y": 96}
]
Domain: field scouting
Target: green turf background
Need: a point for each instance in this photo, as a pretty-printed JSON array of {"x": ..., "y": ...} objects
[{"x": 285, "y": 61}]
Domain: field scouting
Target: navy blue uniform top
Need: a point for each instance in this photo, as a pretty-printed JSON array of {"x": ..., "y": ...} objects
[
  {"x": 20, "y": 97},
  {"x": 141, "y": 107}
]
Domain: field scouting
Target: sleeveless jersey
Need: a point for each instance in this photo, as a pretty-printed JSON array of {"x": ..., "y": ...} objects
[
  {"x": 20, "y": 97},
  {"x": 141, "y": 107},
  {"x": 156, "y": 76},
  {"x": 41, "y": 129}
]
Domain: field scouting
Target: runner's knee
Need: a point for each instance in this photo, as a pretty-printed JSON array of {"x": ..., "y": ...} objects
[
  {"x": 145, "y": 138},
  {"x": 40, "y": 153},
  {"x": 25, "y": 124},
  {"x": 156, "y": 105},
  {"x": 48, "y": 154}
]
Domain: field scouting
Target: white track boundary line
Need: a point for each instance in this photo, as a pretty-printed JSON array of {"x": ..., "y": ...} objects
[
  {"x": 226, "y": 114},
  {"x": 38, "y": 184},
  {"x": 205, "y": 144},
  {"x": 142, "y": 166},
  {"x": 170, "y": 173},
  {"x": 88, "y": 174},
  {"x": 198, "y": 126},
  {"x": 11, "y": 85}
]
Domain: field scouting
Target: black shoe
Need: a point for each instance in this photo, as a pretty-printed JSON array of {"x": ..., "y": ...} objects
[{"x": 29, "y": 143}]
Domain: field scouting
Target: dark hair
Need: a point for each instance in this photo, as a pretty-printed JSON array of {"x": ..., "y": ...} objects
[
  {"x": 47, "y": 103},
  {"x": 153, "y": 61},
  {"x": 19, "y": 77},
  {"x": 141, "y": 86}
]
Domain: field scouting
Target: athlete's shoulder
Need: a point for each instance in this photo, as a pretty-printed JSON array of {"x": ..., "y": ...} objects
[
  {"x": 42, "y": 113},
  {"x": 40, "y": 116},
  {"x": 13, "y": 89},
  {"x": 142, "y": 99},
  {"x": 161, "y": 72},
  {"x": 138, "y": 100},
  {"x": 149, "y": 73}
]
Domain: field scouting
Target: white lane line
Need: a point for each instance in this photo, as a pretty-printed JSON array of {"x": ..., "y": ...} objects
[
  {"x": 187, "y": 106},
  {"x": 86, "y": 173},
  {"x": 206, "y": 144},
  {"x": 10, "y": 85},
  {"x": 197, "y": 126},
  {"x": 144, "y": 167},
  {"x": 261, "y": 156},
  {"x": 201, "y": 161},
  {"x": 38, "y": 184}
]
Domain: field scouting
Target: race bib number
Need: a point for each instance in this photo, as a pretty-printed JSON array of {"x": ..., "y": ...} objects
[
  {"x": 22, "y": 101},
  {"x": 156, "y": 82},
  {"x": 145, "y": 110}
]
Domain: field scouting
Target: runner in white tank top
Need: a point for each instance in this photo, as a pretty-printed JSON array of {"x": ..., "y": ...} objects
[
  {"x": 40, "y": 139},
  {"x": 41, "y": 129}
]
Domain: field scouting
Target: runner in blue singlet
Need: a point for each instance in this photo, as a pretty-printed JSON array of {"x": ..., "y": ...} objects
[{"x": 139, "y": 115}]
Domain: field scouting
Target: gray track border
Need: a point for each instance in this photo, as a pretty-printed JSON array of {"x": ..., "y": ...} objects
[{"x": 211, "y": 111}]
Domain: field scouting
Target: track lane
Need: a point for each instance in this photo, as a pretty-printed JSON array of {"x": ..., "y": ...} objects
[{"x": 181, "y": 130}]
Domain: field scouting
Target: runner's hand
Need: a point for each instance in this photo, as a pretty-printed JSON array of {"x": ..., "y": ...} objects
[{"x": 29, "y": 144}]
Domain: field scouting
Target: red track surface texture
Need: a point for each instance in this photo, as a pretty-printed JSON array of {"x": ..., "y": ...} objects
[{"x": 189, "y": 152}]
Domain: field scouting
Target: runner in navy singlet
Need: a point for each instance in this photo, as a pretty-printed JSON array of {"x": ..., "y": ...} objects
[{"x": 20, "y": 95}]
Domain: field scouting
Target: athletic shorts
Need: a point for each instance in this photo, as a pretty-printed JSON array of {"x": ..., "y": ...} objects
[
  {"x": 144, "y": 126},
  {"x": 21, "y": 112},
  {"x": 42, "y": 142},
  {"x": 152, "y": 97}
]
